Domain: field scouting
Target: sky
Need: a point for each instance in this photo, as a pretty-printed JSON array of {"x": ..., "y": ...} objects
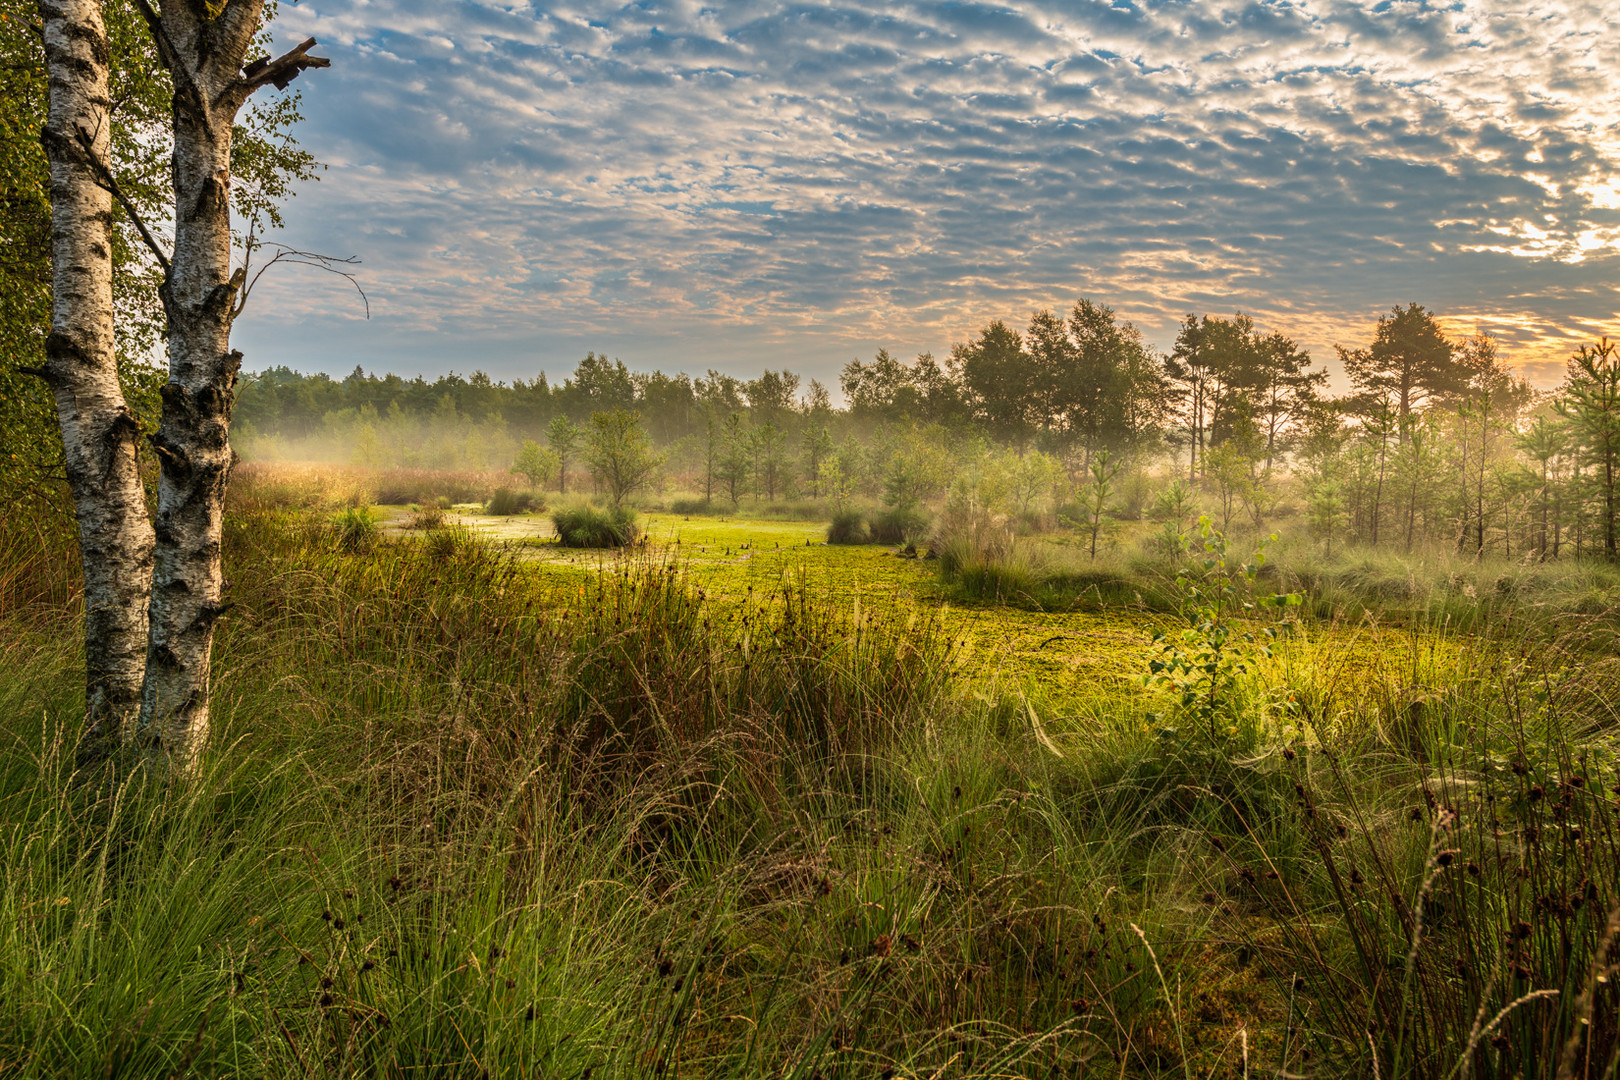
[{"x": 775, "y": 184}]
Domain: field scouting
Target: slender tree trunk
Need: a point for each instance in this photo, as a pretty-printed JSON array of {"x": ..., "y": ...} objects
[
  {"x": 1195, "y": 428},
  {"x": 1203, "y": 418},
  {"x": 1378, "y": 492},
  {"x": 708, "y": 466},
  {"x": 1578, "y": 525},
  {"x": 1462, "y": 528},
  {"x": 1411, "y": 512},
  {"x": 193, "y": 440},
  {"x": 204, "y": 49},
  {"x": 99, "y": 436},
  {"x": 1545, "y": 495},
  {"x": 1608, "y": 502},
  {"x": 1507, "y": 526},
  {"x": 1479, "y": 486},
  {"x": 1558, "y": 526}
]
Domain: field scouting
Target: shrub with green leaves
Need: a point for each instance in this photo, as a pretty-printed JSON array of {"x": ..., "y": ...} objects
[{"x": 1200, "y": 665}]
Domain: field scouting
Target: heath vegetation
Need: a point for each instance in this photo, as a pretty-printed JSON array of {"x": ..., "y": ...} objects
[{"x": 1061, "y": 708}]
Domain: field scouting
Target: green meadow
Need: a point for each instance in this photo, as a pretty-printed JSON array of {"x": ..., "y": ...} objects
[
  {"x": 735, "y": 802},
  {"x": 1086, "y": 647}
]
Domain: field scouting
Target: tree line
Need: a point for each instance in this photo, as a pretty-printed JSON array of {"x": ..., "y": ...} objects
[{"x": 1436, "y": 442}]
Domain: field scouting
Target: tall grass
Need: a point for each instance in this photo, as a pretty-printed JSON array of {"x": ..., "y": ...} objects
[
  {"x": 308, "y": 486},
  {"x": 507, "y": 501},
  {"x": 1440, "y": 888},
  {"x": 983, "y": 558},
  {"x": 988, "y": 559},
  {"x": 1445, "y": 585},
  {"x": 463, "y": 817}
]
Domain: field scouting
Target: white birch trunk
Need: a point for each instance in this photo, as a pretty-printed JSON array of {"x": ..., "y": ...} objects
[
  {"x": 204, "y": 53},
  {"x": 99, "y": 435}
]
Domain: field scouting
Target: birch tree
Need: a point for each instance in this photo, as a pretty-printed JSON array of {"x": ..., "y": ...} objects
[
  {"x": 204, "y": 46},
  {"x": 99, "y": 434},
  {"x": 84, "y": 75}
]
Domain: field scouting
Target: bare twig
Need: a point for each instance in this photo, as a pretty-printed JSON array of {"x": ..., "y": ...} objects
[{"x": 295, "y": 257}]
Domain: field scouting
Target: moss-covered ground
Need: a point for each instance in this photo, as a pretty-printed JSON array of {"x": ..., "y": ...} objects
[{"x": 1066, "y": 658}]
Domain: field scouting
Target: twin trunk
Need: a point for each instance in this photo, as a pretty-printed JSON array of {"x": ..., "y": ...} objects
[{"x": 152, "y": 595}]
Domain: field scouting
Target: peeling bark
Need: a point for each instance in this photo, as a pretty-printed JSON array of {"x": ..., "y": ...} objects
[
  {"x": 99, "y": 436},
  {"x": 204, "y": 53}
]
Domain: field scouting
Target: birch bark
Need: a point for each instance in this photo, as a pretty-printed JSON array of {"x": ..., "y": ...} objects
[
  {"x": 99, "y": 435},
  {"x": 203, "y": 46}
]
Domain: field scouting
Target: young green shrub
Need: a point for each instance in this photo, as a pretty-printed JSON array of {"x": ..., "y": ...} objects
[
  {"x": 849, "y": 527},
  {"x": 1200, "y": 665},
  {"x": 586, "y": 526},
  {"x": 535, "y": 463}
]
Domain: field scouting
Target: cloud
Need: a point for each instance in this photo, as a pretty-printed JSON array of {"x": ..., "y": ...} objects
[{"x": 794, "y": 183}]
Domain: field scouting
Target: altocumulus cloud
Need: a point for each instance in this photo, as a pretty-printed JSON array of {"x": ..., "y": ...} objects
[{"x": 763, "y": 182}]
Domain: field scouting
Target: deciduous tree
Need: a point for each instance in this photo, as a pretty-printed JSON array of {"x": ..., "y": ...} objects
[
  {"x": 620, "y": 457},
  {"x": 563, "y": 436},
  {"x": 205, "y": 49}
]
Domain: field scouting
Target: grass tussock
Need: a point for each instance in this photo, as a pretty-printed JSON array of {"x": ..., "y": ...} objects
[
  {"x": 586, "y": 526},
  {"x": 429, "y": 516},
  {"x": 356, "y": 531},
  {"x": 899, "y": 525},
  {"x": 849, "y": 527},
  {"x": 507, "y": 502}
]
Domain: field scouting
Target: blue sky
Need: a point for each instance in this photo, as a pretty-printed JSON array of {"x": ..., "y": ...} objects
[{"x": 740, "y": 185}]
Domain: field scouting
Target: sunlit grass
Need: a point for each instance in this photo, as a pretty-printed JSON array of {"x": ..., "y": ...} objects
[{"x": 731, "y": 804}]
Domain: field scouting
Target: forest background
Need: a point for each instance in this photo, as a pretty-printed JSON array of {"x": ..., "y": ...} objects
[{"x": 1437, "y": 442}]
